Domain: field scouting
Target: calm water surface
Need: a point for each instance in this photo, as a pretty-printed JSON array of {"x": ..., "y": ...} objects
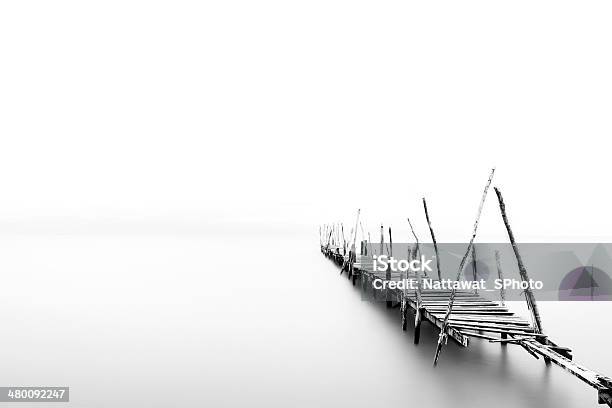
[{"x": 250, "y": 318}]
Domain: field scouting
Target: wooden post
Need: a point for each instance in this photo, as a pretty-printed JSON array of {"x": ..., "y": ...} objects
[
  {"x": 474, "y": 271},
  {"x": 338, "y": 236},
  {"x": 355, "y": 229},
  {"x": 404, "y": 310},
  {"x": 324, "y": 235},
  {"x": 347, "y": 261},
  {"x": 333, "y": 242},
  {"x": 320, "y": 237},
  {"x": 362, "y": 231},
  {"x": 343, "y": 240},
  {"x": 418, "y": 251},
  {"x": 353, "y": 260},
  {"x": 388, "y": 271},
  {"x": 353, "y": 250},
  {"x": 343, "y": 266},
  {"x": 388, "y": 276},
  {"x": 433, "y": 238},
  {"x": 502, "y": 291},
  {"x": 442, "y": 338},
  {"x": 418, "y": 316},
  {"x": 417, "y": 326},
  {"x": 500, "y": 275},
  {"x": 531, "y": 302}
]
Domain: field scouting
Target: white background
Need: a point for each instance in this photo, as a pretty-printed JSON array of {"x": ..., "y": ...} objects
[
  {"x": 153, "y": 155},
  {"x": 216, "y": 114}
]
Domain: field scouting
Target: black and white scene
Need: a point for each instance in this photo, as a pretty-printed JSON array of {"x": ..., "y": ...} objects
[{"x": 300, "y": 204}]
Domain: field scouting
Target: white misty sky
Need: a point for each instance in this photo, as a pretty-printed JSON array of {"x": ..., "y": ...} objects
[{"x": 282, "y": 113}]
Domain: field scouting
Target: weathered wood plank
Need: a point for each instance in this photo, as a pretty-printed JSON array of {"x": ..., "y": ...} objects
[{"x": 495, "y": 330}]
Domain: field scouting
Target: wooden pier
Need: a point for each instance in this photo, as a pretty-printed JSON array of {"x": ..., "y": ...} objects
[
  {"x": 472, "y": 316},
  {"x": 458, "y": 314}
]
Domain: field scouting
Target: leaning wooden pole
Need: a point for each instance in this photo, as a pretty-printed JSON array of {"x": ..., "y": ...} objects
[
  {"x": 418, "y": 316},
  {"x": 443, "y": 335},
  {"x": 404, "y": 303},
  {"x": 343, "y": 239},
  {"x": 352, "y": 250},
  {"x": 356, "y": 224},
  {"x": 362, "y": 231},
  {"x": 474, "y": 269},
  {"x": 433, "y": 238},
  {"x": 415, "y": 237},
  {"x": 337, "y": 239},
  {"x": 531, "y": 302},
  {"x": 366, "y": 239},
  {"x": 500, "y": 275},
  {"x": 333, "y": 242},
  {"x": 388, "y": 275},
  {"x": 502, "y": 291}
]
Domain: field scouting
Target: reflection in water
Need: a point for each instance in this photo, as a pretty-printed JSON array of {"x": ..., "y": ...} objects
[
  {"x": 259, "y": 319},
  {"x": 493, "y": 374}
]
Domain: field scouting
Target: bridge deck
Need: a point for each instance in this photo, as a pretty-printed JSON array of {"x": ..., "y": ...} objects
[{"x": 472, "y": 316}]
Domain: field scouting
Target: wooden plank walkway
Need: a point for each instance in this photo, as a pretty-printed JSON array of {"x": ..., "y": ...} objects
[{"x": 472, "y": 316}]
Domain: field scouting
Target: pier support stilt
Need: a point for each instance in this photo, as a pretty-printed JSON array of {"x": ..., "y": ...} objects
[
  {"x": 417, "y": 325},
  {"x": 362, "y": 281},
  {"x": 404, "y": 312},
  {"x": 388, "y": 274}
]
